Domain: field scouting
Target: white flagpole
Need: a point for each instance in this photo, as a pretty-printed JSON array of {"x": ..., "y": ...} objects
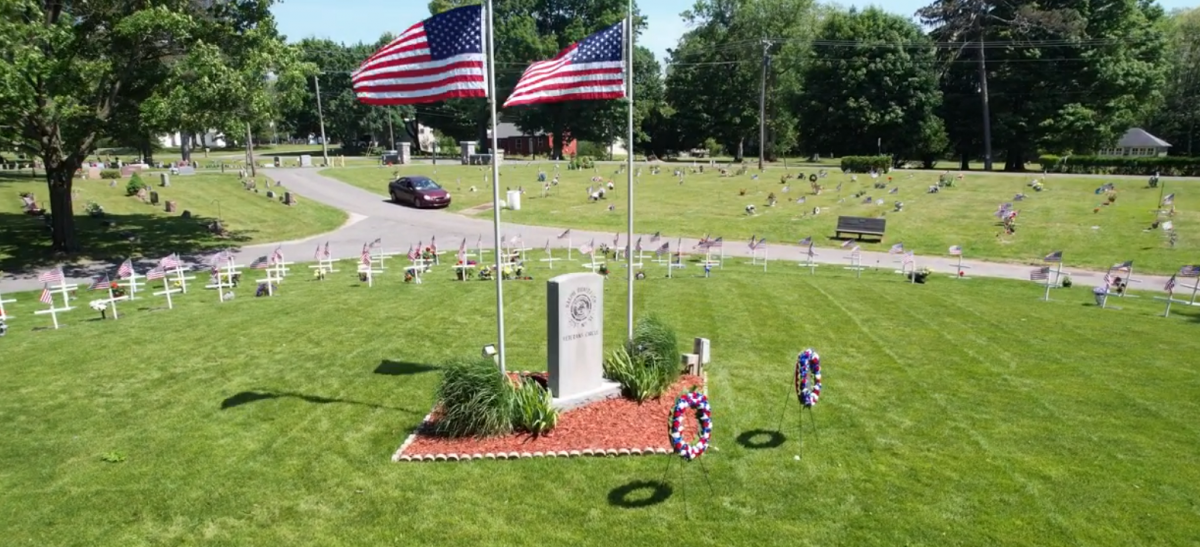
[
  {"x": 492, "y": 98},
  {"x": 629, "y": 166}
]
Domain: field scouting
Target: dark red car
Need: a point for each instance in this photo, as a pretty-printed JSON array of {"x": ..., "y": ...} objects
[{"x": 419, "y": 192}]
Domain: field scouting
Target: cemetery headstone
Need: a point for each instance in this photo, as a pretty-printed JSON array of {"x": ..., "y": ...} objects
[
  {"x": 186, "y": 170},
  {"x": 153, "y": 198},
  {"x": 171, "y": 206},
  {"x": 93, "y": 173},
  {"x": 575, "y": 340},
  {"x": 164, "y": 180},
  {"x": 306, "y": 161},
  {"x": 289, "y": 199},
  {"x": 703, "y": 348},
  {"x": 277, "y": 162}
]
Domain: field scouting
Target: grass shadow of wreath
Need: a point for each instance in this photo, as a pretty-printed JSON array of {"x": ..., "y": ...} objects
[
  {"x": 757, "y": 439},
  {"x": 624, "y": 496}
]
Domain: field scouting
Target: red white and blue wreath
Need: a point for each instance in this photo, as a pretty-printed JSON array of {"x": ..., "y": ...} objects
[
  {"x": 808, "y": 369},
  {"x": 699, "y": 402}
]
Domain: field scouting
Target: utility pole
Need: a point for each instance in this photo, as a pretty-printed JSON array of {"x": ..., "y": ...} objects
[
  {"x": 762, "y": 105},
  {"x": 321, "y": 117},
  {"x": 391, "y": 134},
  {"x": 983, "y": 92},
  {"x": 250, "y": 151}
]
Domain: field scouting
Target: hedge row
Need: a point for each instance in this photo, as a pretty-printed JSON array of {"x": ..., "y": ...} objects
[
  {"x": 1109, "y": 165},
  {"x": 866, "y": 164}
]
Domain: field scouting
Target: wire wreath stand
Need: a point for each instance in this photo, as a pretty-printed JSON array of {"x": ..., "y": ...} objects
[
  {"x": 689, "y": 452},
  {"x": 808, "y": 369}
]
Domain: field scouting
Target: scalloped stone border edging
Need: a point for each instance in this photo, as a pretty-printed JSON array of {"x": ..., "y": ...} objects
[{"x": 610, "y": 452}]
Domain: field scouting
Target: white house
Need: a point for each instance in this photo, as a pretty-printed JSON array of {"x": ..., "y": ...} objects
[
  {"x": 210, "y": 139},
  {"x": 1137, "y": 142}
]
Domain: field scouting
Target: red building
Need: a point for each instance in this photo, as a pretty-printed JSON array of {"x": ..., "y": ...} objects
[{"x": 514, "y": 142}]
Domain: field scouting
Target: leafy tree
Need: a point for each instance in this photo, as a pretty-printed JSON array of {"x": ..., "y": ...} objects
[
  {"x": 882, "y": 89},
  {"x": 1176, "y": 118},
  {"x": 714, "y": 75},
  {"x": 1060, "y": 76}
]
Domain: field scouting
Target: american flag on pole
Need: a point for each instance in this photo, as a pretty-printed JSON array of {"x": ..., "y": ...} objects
[
  {"x": 1124, "y": 266},
  {"x": 1189, "y": 271},
  {"x": 588, "y": 247},
  {"x": 1170, "y": 286},
  {"x": 1056, "y": 256},
  {"x": 846, "y": 244},
  {"x": 365, "y": 257},
  {"x": 617, "y": 240},
  {"x": 100, "y": 283},
  {"x": 437, "y": 59},
  {"x": 1040, "y": 274},
  {"x": 909, "y": 258},
  {"x": 565, "y": 234},
  {"x": 326, "y": 252},
  {"x": 277, "y": 255},
  {"x": 412, "y": 253},
  {"x": 317, "y": 253},
  {"x": 378, "y": 241},
  {"x": 638, "y": 246},
  {"x": 753, "y": 243},
  {"x": 260, "y": 263},
  {"x": 664, "y": 249},
  {"x": 806, "y": 241},
  {"x": 462, "y": 251},
  {"x": 716, "y": 242},
  {"x": 1108, "y": 279},
  {"x": 811, "y": 253},
  {"x": 896, "y": 249},
  {"x": 1170, "y": 199},
  {"x": 126, "y": 269},
  {"x": 157, "y": 272},
  {"x": 433, "y": 244},
  {"x": 654, "y": 238},
  {"x": 169, "y": 262},
  {"x": 51, "y": 276},
  {"x": 547, "y": 248},
  {"x": 591, "y": 69},
  {"x": 955, "y": 250},
  {"x": 46, "y": 297}
]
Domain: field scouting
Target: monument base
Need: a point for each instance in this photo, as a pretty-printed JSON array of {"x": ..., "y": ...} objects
[{"x": 606, "y": 390}]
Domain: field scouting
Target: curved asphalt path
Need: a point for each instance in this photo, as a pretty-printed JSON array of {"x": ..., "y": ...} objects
[{"x": 372, "y": 216}]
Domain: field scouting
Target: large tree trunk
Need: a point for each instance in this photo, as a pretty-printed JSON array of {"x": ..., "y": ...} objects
[
  {"x": 740, "y": 150},
  {"x": 557, "y": 139},
  {"x": 185, "y": 145},
  {"x": 964, "y": 162},
  {"x": 59, "y": 178},
  {"x": 1014, "y": 160}
]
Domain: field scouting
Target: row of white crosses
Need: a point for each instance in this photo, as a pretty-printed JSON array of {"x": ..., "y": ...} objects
[{"x": 223, "y": 269}]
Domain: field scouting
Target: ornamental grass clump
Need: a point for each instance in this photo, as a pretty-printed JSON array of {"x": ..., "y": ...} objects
[
  {"x": 649, "y": 365},
  {"x": 532, "y": 408},
  {"x": 476, "y": 400}
]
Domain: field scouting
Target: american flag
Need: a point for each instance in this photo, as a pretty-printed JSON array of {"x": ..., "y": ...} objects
[
  {"x": 1170, "y": 286},
  {"x": 126, "y": 269},
  {"x": 51, "y": 276},
  {"x": 753, "y": 243},
  {"x": 157, "y": 272},
  {"x": 806, "y": 241},
  {"x": 1124, "y": 266},
  {"x": 378, "y": 241},
  {"x": 1108, "y": 279},
  {"x": 811, "y": 254},
  {"x": 846, "y": 244},
  {"x": 1189, "y": 271},
  {"x": 46, "y": 297},
  {"x": 100, "y": 284},
  {"x": 664, "y": 249},
  {"x": 277, "y": 255},
  {"x": 365, "y": 257},
  {"x": 326, "y": 253},
  {"x": 855, "y": 250},
  {"x": 587, "y": 248},
  {"x": 260, "y": 263},
  {"x": 462, "y": 251},
  {"x": 169, "y": 262},
  {"x": 437, "y": 59},
  {"x": 897, "y": 249},
  {"x": 317, "y": 253},
  {"x": 433, "y": 244},
  {"x": 638, "y": 247},
  {"x": 909, "y": 258},
  {"x": 214, "y": 263},
  {"x": 547, "y": 248},
  {"x": 1170, "y": 199},
  {"x": 1040, "y": 274},
  {"x": 716, "y": 242},
  {"x": 565, "y": 234},
  {"x": 412, "y": 253},
  {"x": 762, "y": 244},
  {"x": 955, "y": 250},
  {"x": 591, "y": 69},
  {"x": 654, "y": 238},
  {"x": 1056, "y": 256},
  {"x": 617, "y": 240}
]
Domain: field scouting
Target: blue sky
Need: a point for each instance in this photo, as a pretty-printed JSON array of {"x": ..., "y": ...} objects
[{"x": 366, "y": 20}]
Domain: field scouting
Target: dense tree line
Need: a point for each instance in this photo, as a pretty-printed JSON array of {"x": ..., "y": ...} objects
[{"x": 1002, "y": 80}]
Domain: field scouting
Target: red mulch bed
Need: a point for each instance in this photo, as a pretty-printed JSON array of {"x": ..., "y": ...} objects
[{"x": 611, "y": 427}]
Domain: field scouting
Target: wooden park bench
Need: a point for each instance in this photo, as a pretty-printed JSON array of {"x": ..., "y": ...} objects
[{"x": 860, "y": 226}]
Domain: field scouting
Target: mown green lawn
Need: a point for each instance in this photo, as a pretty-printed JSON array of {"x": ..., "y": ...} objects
[
  {"x": 1059, "y": 218},
  {"x": 954, "y": 413},
  {"x": 133, "y": 228}
]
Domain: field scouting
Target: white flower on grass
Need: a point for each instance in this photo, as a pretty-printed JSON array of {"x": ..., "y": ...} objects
[{"x": 98, "y": 305}]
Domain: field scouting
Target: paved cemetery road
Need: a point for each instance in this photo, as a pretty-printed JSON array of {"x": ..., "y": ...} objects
[{"x": 399, "y": 227}]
